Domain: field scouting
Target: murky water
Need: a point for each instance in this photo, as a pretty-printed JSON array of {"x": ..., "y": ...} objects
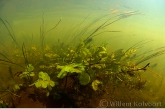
[{"x": 64, "y": 23}]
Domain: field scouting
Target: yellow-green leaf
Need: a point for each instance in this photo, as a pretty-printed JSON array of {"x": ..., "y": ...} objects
[{"x": 95, "y": 84}]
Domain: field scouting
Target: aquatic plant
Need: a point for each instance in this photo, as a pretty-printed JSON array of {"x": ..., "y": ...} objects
[
  {"x": 28, "y": 73},
  {"x": 3, "y": 104},
  {"x": 11, "y": 33},
  {"x": 72, "y": 68},
  {"x": 77, "y": 71},
  {"x": 43, "y": 32},
  {"x": 95, "y": 84},
  {"x": 44, "y": 82}
]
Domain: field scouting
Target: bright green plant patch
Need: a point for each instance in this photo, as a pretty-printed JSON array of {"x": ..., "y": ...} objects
[
  {"x": 71, "y": 68},
  {"x": 43, "y": 81}
]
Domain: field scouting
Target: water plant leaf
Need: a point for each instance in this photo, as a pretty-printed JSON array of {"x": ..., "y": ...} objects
[
  {"x": 43, "y": 84},
  {"x": 85, "y": 52},
  {"x": 92, "y": 74},
  {"x": 28, "y": 71},
  {"x": 47, "y": 94},
  {"x": 51, "y": 83},
  {"x": 16, "y": 87},
  {"x": 49, "y": 88},
  {"x": 29, "y": 68},
  {"x": 38, "y": 83},
  {"x": 43, "y": 76},
  {"x": 84, "y": 79},
  {"x": 62, "y": 73},
  {"x": 95, "y": 84},
  {"x": 32, "y": 74},
  {"x": 71, "y": 68},
  {"x": 43, "y": 81},
  {"x": 1, "y": 101},
  {"x": 26, "y": 74}
]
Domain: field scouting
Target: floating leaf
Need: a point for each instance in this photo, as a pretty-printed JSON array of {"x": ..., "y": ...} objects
[
  {"x": 95, "y": 84},
  {"x": 84, "y": 79}
]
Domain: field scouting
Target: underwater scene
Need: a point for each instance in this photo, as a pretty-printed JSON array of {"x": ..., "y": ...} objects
[{"x": 82, "y": 53}]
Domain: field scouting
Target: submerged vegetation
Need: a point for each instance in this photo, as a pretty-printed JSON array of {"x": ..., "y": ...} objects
[{"x": 71, "y": 76}]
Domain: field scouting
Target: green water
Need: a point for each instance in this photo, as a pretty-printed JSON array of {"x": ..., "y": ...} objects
[{"x": 26, "y": 17}]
